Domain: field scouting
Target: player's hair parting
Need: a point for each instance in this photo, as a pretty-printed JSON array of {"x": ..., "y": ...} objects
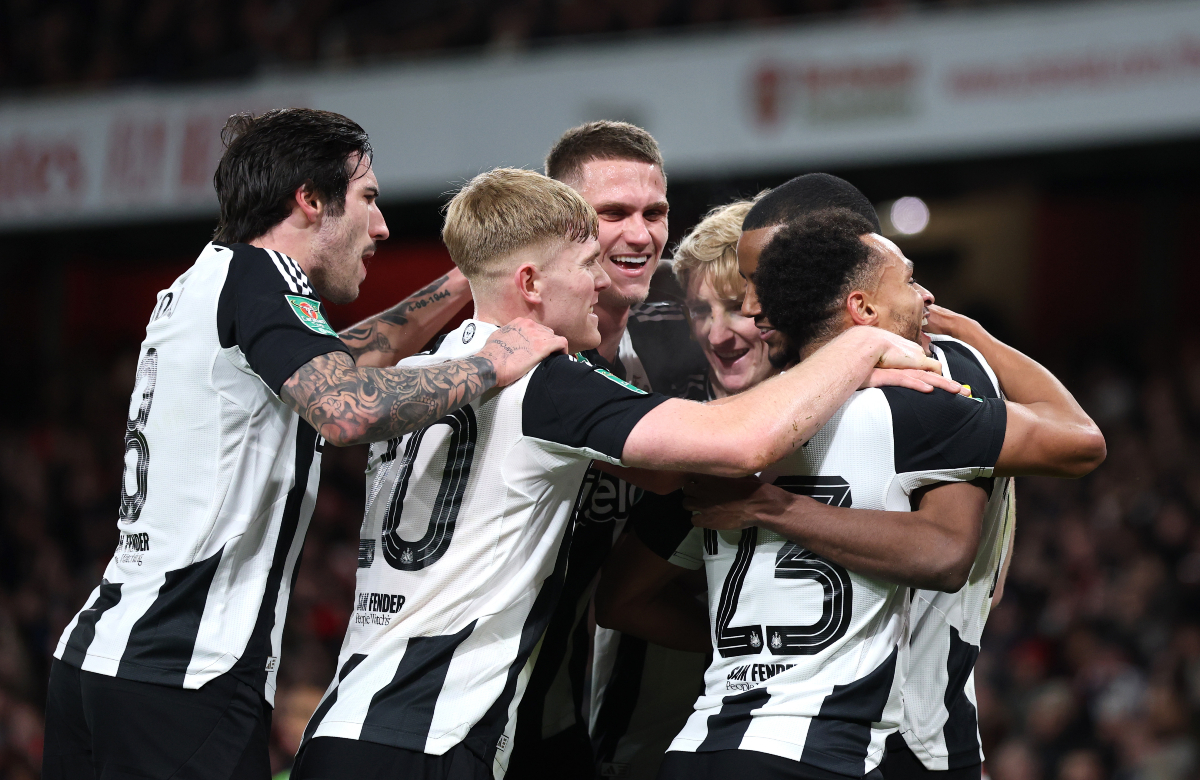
[
  {"x": 809, "y": 268},
  {"x": 710, "y": 249},
  {"x": 602, "y": 140},
  {"x": 508, "y": 209},
  {"x": 268, "y": 157},
  {"x": 806, "y": 194}
]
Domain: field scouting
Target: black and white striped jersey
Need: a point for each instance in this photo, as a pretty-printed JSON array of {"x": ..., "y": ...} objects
[
  {"x": 219, "y": 484},
  {"x": 940, "y": 724},
  {"x": 807, "y": 656},
  {"x": 557, "y": 695},
  {"x": 463, "y": 553},
  {"x": 642, "y": 693}
]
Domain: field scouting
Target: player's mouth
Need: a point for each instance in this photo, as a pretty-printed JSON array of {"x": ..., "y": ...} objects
[
  {"x": 765, "y": 331},
  {"x": 630, "y": 265},
  {"x": 730, "y": 358}
]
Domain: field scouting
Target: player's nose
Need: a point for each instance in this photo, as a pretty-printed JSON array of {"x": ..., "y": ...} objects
[
  {"x": 750, "y": 306},
  {"x": 378, "y": 226}
]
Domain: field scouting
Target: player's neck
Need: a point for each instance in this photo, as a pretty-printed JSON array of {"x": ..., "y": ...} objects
[
  {"x": 811, "y": 347},
  {"x": 612, "y": 322},
  {"x": 294, "y": 244}
]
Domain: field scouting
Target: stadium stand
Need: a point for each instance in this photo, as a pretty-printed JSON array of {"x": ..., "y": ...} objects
[{"x": 90, "y": 44}]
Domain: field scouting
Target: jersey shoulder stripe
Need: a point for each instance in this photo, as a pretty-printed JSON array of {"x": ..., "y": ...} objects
[{"x": 291, "y": 272}]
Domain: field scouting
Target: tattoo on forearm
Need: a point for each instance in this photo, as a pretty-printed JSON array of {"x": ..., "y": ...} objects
[
  {"x": 349, "y": 405},
  {"x": 372, "y": 335}
]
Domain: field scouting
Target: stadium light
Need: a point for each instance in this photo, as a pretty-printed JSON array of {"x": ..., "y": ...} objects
[{"x": 909, "y": 216}]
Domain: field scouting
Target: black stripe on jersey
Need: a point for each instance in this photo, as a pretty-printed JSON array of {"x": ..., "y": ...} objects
[
  {"x": 162, "y": 640},
  {"x": 965, "y": 369},
  {"x": 840, "y": 735},
  {"x": 662, "y": 523},
  {"x": 84, "y": 632},
  {"x": 603, "y": 500},
  {"x": 942, "y": 431},
  {"x": 251, "y": 668},
  {"x": 620, "y": 697},
  {"x": 323, "y": 708},
  {"x": 737, "y": 640},
  {"x": 961, "y": 731},
  {"x": 727, "y": 727},
  {"x": 484, "y": 737},
  {"x": 401, "y": 712}
]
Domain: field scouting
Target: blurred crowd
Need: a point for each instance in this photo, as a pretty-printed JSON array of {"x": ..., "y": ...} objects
[
  {"x": 87, "y": 43},
  {"x": 1090, "y": 668}
]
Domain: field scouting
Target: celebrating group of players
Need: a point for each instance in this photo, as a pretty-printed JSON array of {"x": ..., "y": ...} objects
[{"x": 607, "y": 534}]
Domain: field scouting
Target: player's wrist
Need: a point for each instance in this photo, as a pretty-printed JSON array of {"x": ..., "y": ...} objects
[{"x": 485, "y": 369}]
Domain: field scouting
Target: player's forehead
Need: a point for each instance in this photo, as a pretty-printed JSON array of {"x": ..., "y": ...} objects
[
  {"x": 751, "y": 244},
  {"x": 362, "y": 174},
  {"x": 576, "y": 253},
  {"x": 633, "y": 184},
  {"x": 886, "y": 248}
]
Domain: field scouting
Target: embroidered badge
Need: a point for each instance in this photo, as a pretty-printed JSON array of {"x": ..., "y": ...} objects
[
  {"x": 468, "y": 333},
  {"x": 309, "y": 312}
]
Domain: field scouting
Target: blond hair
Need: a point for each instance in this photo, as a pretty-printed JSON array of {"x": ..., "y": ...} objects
[
  {"x": 508, "y": 209},
  {"x": 711, "y": 248}
]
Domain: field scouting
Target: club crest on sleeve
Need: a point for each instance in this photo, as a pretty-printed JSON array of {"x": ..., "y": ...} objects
[
  {"x": 468, "y": 333},
  {"x": 610, "y": 375},
  {"x": 309, "y": 312}
]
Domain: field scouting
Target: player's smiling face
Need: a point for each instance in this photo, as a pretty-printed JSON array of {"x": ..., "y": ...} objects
[
  {"x": 901, "y": 304},
  {"x": 570, "y": 284},
  {"x": 737, "y": 355},
  {"x": 631, "y": 200},
  {"x": 750, "y": 246},
  {"x": 345, "y": 242}
]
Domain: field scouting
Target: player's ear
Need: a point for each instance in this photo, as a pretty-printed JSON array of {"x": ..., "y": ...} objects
[
  {"x": 528, "y": 280},
  {"x": 860, "y": 308},
  {"x": 307, "y": 204}
]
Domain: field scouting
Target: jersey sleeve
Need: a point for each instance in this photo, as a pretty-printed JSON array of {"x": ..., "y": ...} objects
[
  {"x": 269, "y": 310},
  {"x": 942, "y": 431},
  {"x": 576, "y": 405},
  {"x": 665, "y": 527}
]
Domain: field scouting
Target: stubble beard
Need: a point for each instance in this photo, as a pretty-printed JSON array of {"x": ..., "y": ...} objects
[{"x": 335, "y": 262}]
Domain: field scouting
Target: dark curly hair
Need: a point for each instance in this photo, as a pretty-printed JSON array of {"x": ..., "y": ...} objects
[
  {"x": 268, "y": 157},
  {"x": 809, "y": 267}
]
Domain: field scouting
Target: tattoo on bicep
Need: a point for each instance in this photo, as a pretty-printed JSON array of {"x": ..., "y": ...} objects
[{"x": 347, "y": 404}]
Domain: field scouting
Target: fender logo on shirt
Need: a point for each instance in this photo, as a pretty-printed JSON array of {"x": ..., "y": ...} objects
[
  {"x": 379, "y": 608},
  {"x": 309, "y": 312},
  {"x": 743, "y": 678}
]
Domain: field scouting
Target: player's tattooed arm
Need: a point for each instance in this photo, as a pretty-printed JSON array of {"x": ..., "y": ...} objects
[
  {"x": 388, "y": 337},
  {"x": 349, "y": 404}
]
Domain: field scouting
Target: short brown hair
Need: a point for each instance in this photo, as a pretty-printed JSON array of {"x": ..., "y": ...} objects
[
  {"x": 508, "y": 209},
  {"x": 711, "y": 248},
  {"x": 602, "y": 140}
]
